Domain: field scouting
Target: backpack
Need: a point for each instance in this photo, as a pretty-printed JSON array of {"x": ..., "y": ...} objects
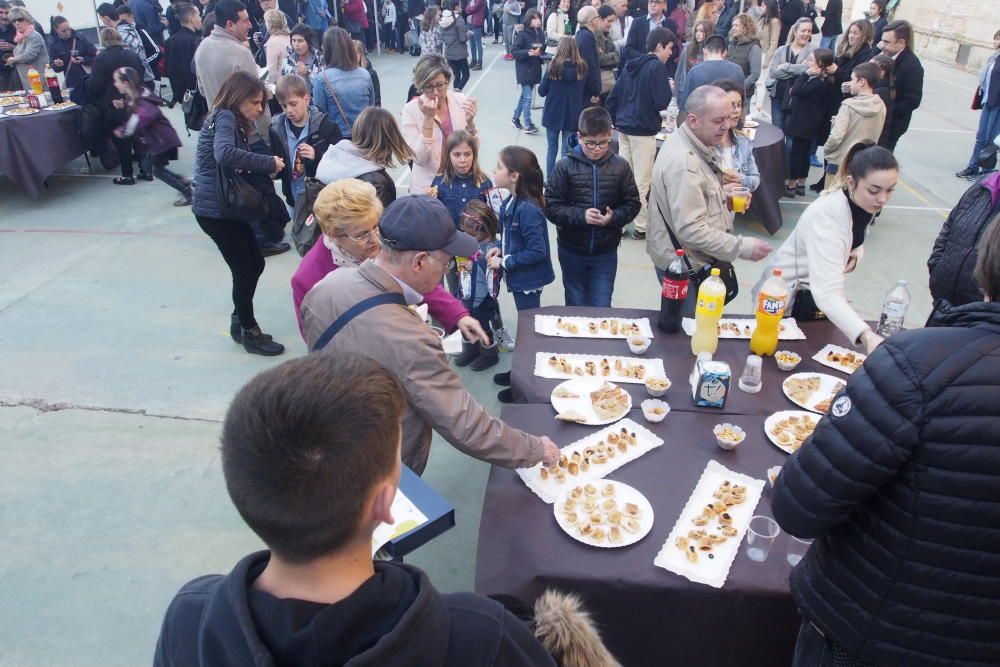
[
  {"x": 195, "y": 108},
  {"x": 305, "y": 229}
]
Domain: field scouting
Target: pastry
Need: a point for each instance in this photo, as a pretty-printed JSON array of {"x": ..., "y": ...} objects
[
  {"x": 615, "y": 535},
  {"x": 571, "y": 416},
  {"x": 609, "y": 491},
  {"x": 543, "y": 472},
  {"x": 563, "y": 392},
  {"x": 802, "y": 388}
]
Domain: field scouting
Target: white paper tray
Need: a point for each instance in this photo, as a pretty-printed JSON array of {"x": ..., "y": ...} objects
[
  {"x": 790, "y": 331},
  {"x": 830, "y": 347},
  {"x": 654, "y": 366},
  {"x": 546, "y": 326}
]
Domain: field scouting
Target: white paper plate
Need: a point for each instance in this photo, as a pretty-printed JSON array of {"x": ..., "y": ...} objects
[
  {"x": 789, "y": 328},
  {"x": 654, "y": 367},
  {"x": 827, "y": 385},
  {"x": 770, "y": 422},
  {"x": 547, "y": 325},
  {"x": 830, "y": 347},
  {"x": 623, "y": 494},
  {"x": 583, "y": 405}
]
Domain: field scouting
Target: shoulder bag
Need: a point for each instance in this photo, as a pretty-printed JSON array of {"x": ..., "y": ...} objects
[
  {"x": 727, "y": 272},
  {"x": 354, "y": 311},
  {"x": 237, "y": 197},
  {"x": 305, "y": 229},
  {"x": 336, "y": 100}
]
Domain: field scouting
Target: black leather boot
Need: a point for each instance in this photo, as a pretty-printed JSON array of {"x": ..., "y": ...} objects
[
  {"x": 256, "y": 342},
  {"x": 470, "y": 352}
]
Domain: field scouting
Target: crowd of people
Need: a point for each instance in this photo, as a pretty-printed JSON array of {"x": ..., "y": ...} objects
[{"x": 471, "y": 223}]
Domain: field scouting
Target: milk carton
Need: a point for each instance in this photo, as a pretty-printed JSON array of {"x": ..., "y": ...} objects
[{"x": 711, "y": 382}]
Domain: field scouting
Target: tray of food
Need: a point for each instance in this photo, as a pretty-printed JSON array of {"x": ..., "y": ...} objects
[
  {"x": 26, "y": 111},
  {"x": 840, "y": 358},
  {"x": 617, "y": 369},
  {"x": 592, "y": 327},
  {"x": 812, "y": 391},
  {"x": 59, "y": 106},
  {"x": 788, "y": 429},
  {"x": 743, "y": 328},
  {"x": 605, "y": 514},
  {"x": 590, "y": 401},
  {"x": 12, "y": 100},
  {"x": 590, "y": 458},
  {"x": 704, "y": 542}
]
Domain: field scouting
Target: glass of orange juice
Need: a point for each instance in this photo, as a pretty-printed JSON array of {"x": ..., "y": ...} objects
[{"x": 738, "y": 199}]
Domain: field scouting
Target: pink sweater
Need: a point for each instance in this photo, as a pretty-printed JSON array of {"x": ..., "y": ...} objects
[{"x": 318, "y": 262}]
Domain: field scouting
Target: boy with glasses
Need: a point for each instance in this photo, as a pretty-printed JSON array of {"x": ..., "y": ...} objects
[{"x": 590, "y": 196}]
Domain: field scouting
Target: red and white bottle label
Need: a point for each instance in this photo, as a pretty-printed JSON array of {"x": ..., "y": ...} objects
[{"x": 675, "y": 289}]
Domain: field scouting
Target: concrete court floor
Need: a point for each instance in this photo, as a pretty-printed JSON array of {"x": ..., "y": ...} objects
[{"x": 117, "y": 370}]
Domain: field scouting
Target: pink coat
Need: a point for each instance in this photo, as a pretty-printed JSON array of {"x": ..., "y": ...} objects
[
  {"x": 427, "y": 152},
  {"x": 318, "y": 262}
]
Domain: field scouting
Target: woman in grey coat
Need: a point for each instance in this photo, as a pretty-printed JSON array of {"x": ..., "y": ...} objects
[
  {"x": 455, "y": 36},
  {"x": 788, "y": 63},
  {"x": 30, "y": 50}
]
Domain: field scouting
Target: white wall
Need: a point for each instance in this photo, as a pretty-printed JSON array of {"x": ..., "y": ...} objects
[{"x": 81, "y": 13}]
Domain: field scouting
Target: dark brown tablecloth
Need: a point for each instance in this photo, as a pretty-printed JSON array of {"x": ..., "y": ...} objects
[
  {"x": 33, "y": 147},
  {"x": 647, "y": 615},
  {"x": 769, "y": 153},
  {"x": 675, "y": 351}
]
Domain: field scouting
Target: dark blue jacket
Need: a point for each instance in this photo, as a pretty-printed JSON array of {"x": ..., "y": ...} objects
[
  {"x": 993, "y": 99},
  {"x": 635, "y": 45},
  {"x": 587, "y": 44},
  {"x": 527, "y": 257},
  {"x": 59, "y": 49},
  {"x": 527, "y": 69},
  {"x": 563, "y": 100},
  {"x": 147, "y": 17},
  {"x": 222, "y": 141},
  {"x": 456, "y": 196},
  {"x": 640, "y": 94},
  {"x": 899, "y": 486},
  {"x": 210, "y": 622}
]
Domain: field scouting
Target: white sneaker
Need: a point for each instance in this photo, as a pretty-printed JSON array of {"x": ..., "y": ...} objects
[{"x": 505, "y": 340}]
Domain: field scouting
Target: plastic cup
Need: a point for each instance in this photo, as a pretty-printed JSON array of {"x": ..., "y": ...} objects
[
  {"x": 738, "y": 200},
  {"x": 796, "y": 550},
  {"x": 760, "y": 536}
]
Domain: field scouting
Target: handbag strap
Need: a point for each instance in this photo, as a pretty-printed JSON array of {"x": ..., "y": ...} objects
[
  {"x": 675, "y": 242},
  {"x": 354, "y": 311},
  {"x": 336, "y": 100}
]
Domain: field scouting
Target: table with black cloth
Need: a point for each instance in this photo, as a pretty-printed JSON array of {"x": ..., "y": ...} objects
[
  {"x": 33, "y": 147},
  {"x": 769, "y": 154},
  {"x": 648, "y": 615}
]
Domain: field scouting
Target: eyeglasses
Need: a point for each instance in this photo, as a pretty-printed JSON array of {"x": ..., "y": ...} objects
[
  {"x": 472, "y": 223},
  {"x": 371, "y": 234},
  {"x": 449, "y": 265},
  {"x": 592, "y": 145},
  {"x": 433, "y": 87}
]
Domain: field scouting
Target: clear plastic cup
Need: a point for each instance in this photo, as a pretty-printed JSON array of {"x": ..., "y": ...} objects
[
  {"x": 760, "y": 536},
  {"x": 797, "y": 550}
]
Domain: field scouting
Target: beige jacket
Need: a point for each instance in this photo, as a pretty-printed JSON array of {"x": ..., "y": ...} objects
[
  {"x": 859, "y": 118},
  {"x": 218, "y": 56},
  {"x": 398, "y": 339},
  {"x": 686, "y": 193}
]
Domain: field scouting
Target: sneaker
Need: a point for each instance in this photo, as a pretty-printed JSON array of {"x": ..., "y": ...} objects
[
  {"x": 789, "y": 192},
  {"x": 968, "y": 172},
  {"x": 143, "y": 176},
  {"x": 530, "y": 129},
  {"x": 505, "y": 339},
  {"x": 273, "y": 249},
  {"x": 815, "y": 161},
  {"x": 508, "y": 57},
  {"x": 516, "y": 122},
  {"x": 638, "y": 234}
]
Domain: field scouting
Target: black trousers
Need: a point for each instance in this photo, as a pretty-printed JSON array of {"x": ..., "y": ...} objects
[
  {"x": 798, "y": 159},
  {"x": 486, "y": 313},
  {"x": 461, "y": 70},
  {"x": 238, "y": 246},
  {"x": 126, "y": 154}
]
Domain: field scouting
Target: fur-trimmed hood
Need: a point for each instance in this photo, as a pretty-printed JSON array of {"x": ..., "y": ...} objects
[{"x": 568, "y": 633}]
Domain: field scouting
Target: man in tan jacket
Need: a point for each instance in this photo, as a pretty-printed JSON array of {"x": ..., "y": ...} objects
[
  {"x": 689, "y": 188},
  {"x": 419, "y": 241}
]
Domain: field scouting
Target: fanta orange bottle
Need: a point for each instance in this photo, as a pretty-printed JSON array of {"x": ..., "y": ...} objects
[{"x": 771, "y": 302}]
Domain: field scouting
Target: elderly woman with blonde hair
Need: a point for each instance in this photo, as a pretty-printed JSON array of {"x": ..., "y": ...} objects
[
  {"x": 348, "y": 213},
  {"x": 29, "y": 50}
]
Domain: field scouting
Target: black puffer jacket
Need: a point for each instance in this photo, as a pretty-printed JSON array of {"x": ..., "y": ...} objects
[
  {"x": 953, "y": 258},
  {"x": 527, "y": 68},
  {"x": 900, "y": 488},
  {"x": 577, "y": 184}
]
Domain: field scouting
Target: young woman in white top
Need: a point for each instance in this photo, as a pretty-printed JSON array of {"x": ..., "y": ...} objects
[{"x": 827, "y": 241}]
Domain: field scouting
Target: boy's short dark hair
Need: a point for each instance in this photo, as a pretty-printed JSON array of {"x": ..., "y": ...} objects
[
  {"x": 185, "y": 11},
  {"x": 125, "y": 11},
  {"x": 289, "y": 85},
  {"x": 715, "y": 44},
  {"x": 604, "y": 11},
  {"x": 594, "y": 121},
  {"x": 659, "y": 36},
  {"x": 108, "y": 11},
  {"x": 868, "y": 71},
  {"x": 304, "y": 444}
]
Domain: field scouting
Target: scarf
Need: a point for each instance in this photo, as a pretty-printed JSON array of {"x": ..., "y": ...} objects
[
  {"x": 340, "y": 258},
  {"x": 20, "y": 36}
]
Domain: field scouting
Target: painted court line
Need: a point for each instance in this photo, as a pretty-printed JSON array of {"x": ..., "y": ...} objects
[{"x": 890, "y": 208}]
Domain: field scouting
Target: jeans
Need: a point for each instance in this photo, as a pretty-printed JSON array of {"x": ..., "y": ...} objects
[
  {"x": 523, "y": 107},
  {"x": 777, "y": 114},
  {"x": 236, "y": 242},
  {"x": 814, "y": 650},
  {"x": 589, "y": 280},
  {"x": 527, "y": 300},
  {"x": 829, "y": 42},
  {"x": 461, "y": 70},
  {"x": 157, "y": 166},
  {"x": 389, "y": 35},
  {"x": 989, "y": 128},
  {"x": 557, "y": 148},
  {"x": 692, "y": 297},
  {"x": 508, "y": 37},
  {"x": 476, "y": 45},
  {"x": 640, "y": 153}
]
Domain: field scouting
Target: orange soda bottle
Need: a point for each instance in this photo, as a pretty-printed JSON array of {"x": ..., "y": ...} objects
[
  {"x": 771, "y": 302},
  {"x": 35, "y": 81}
]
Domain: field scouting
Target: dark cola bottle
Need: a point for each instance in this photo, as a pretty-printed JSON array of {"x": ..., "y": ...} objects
[{"x": 674, "y": 294}]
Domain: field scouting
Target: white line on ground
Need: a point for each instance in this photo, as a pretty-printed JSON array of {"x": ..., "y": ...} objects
[
  {"x": 892, "y": 208},
  {"x": 951, "y": 83},
  {"x": 935, "y": 129}
]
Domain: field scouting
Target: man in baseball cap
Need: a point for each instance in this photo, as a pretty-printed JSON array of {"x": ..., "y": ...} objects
[{"x": 364, "y": 311}]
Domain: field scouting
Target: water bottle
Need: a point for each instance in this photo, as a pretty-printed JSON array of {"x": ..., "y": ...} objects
[
  {"x": 897, "y": 300},
  {"x": 673, "y": 296}
]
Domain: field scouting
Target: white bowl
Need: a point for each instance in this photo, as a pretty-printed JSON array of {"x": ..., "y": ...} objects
[
  {"x": 729, "y": 445},
  {"x": 651, "y": 404},
  {"x": 638, "y": 349},
  {"x": 788, "y": 365},
  {"x": 657, "y": 392}
]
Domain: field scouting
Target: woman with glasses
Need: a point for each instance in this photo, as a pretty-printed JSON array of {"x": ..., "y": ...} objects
[
  {"x": 736, "y": 149},
  {"x": 348, "y": 212},
  {"x": 431, "y": 117},
  {"x": 29, "y": 50}
]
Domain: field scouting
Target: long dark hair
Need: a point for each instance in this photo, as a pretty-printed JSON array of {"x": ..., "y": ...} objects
[
  {"x": 456, "y": 139},
  {"x": 530, "y": 182},
  {"x": 863, "y": 158},
  {"x": 824, "y": 59},
  {"x": 239, "y": 87}
]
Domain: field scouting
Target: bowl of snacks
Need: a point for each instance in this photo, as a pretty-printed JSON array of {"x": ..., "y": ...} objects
[
  {"x": 657, "y": 386},
  {"x": 638, "y": 344},
  {"x": 655, "y": 410},
  {"x": 728, "y": 436},
  {"x": 787, "y": 361}
]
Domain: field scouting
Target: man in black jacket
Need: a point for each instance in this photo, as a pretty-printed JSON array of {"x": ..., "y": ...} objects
[
  {"x": 587, "y": 19},
  {"x": 897, "y": 43},
  {"x": 898, "y": 486},
  {"x": 635, "y": 42},
  {"x": 590, "y": 196},
  {"x": 832, "y": 24},
  {"x": 180, "y": 51},
  {"x": 640, "y": 94},
  {"x": 791, "y": 11},
  {"x": 311, "y": 459}
]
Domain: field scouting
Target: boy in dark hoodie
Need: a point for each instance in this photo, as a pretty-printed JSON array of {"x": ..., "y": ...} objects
[
  {"x": 311, "y": 458},
  {"x": 640, "y": 94},
  {"x": 300, "y": 135},
  {"x": 590, "y": 196}
]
